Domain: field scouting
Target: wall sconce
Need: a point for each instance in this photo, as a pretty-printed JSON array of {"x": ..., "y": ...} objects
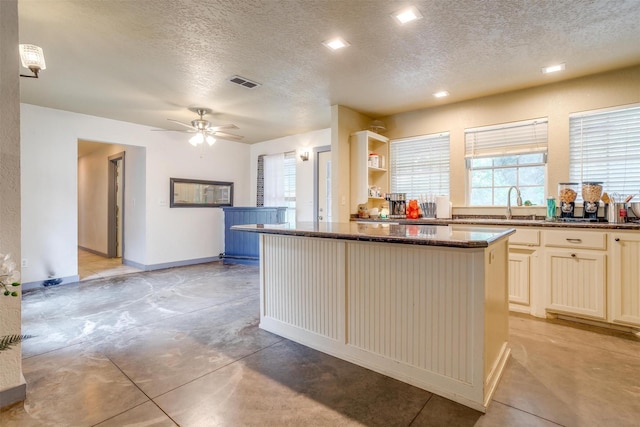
[
  {"x": 32, "y": 58},
  {"x": 304, "y": 156}
]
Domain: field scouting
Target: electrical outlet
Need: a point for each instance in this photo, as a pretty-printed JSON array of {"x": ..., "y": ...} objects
[{"x": 25, "y": 263}]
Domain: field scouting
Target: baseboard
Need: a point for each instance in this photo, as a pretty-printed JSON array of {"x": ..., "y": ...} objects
[
  {"x": 102, "y": 254},
  {"x": 13, "y": 394},
  {"x": 240, "y": 260},
  {"x": 161, "y": 266},
  {"x": 40, "y": 284},
  {"x": 74, "y": 279}
]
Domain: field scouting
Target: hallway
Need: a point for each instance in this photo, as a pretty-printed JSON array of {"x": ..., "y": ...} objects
[
  {"x": 92, "y": 266},
  {"x": 182, "y": 346}
]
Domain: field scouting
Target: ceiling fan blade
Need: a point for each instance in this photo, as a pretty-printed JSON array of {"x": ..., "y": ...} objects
[
  {"x": 180, "y": 123},
  {"x": 225, "y": 135},
  {"x": 222, "y": 127},
  {"x": 173, "y": 130}
]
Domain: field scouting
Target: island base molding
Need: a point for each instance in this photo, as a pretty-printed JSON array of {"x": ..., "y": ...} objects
[{"x": 431, "y": 316}]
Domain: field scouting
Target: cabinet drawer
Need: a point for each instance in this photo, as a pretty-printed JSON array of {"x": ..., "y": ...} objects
[
  {"x": 576, "y": 239},
  {"x": 525, "y": 236}
]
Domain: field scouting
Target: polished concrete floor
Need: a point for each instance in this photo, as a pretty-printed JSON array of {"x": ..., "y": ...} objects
[{"x": 182, "y": 347}]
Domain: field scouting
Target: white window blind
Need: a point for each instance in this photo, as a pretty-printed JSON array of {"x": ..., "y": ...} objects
[
  {"x": 290, "y": 178},
  {"x": 509, "y": 138},
  {"x": 604, "y": 146},
  {"x": 274, "y": 180},
  {"x": 500, "y": 156},
  {"x": 420, "y": 165},
  {"x": 279, "y": 182}
]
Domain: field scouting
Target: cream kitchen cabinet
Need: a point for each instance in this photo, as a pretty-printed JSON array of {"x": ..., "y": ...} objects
[
  {"x": 624, "y": 283},
  {"x": 524, "y": 269},
  {"x": 575, "y": 266},
  {"x": 364, "y": 176}
]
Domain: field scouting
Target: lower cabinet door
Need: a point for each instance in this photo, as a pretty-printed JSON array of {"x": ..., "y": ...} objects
[
  {"x": 519, "y": 277},
  {"x": 625, "y": 278},
  {"x": 577, "y": 282}
]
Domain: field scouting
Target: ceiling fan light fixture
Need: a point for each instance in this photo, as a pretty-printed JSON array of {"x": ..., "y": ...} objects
[
  {"x": 210, "y": 140},
  {"x": 196, "y": 139}
]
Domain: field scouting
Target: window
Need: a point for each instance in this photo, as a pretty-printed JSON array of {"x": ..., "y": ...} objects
[
  {"x": 498, "y": 157},
  {"x": 420, "y": 165},
  {"x": 277, "y": 182},
  {"x": 604, "y": 146},
  {"x": 290, "y": 185}
]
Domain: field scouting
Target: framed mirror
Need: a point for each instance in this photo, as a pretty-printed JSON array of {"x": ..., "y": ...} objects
[{"x": 195, "y": 193}]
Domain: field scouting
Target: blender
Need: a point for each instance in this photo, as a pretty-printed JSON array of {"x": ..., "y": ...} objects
[
  {"x": 567, "y": 193},
  {"x": 591, "y": 193}
]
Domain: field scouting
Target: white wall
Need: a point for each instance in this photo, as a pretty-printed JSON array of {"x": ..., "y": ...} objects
[
  {"x": 304, "y": 170},
  {"x": 162, "y": 235},
  {"x": 11, "y": 381}
]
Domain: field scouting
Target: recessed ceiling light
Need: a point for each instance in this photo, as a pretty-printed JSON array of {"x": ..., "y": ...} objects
[
  {"x": 407, "y": 15},
  {"x": 553, "y": 68},
  {"x": 336, "y": 43},
  {"x": 441, "y": 94}
]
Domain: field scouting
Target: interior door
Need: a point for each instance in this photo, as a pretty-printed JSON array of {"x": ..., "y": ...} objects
[
  {"x": 323, "y": 184},
  {"x": 115, "y": 219}
]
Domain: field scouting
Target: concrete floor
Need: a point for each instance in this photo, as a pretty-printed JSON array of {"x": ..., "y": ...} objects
[{"x": 181, "y": 347}]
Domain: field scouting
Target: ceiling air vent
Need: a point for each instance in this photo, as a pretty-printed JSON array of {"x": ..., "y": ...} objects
[{"x": 244, "y": 82}]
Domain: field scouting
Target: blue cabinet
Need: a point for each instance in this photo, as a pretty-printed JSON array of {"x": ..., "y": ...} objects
[{"x": 241, "y": 247}]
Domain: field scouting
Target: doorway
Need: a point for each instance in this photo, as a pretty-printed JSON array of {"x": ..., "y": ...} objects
[
  {"x": 322, "y": 184},
  {"x": 115, "y": 217}
]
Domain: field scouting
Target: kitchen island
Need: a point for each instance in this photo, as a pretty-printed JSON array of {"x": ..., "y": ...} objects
[{"x": 426, "y": 305}]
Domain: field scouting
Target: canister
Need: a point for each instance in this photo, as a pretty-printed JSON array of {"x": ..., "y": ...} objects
[
  {"x": 374, "y": 160},
  {"x": 617, "y": 212}
]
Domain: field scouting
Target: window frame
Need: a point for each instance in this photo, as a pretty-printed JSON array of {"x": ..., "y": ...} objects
[{"x": 505, "y": 140}]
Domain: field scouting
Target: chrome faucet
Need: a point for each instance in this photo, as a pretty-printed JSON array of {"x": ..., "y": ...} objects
[{"x": 518, "y": 200}]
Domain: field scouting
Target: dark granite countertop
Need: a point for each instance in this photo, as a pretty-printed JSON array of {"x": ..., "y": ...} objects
[
  {"x": 448, "y": 235},
  {"x": 514, "y": 222}
]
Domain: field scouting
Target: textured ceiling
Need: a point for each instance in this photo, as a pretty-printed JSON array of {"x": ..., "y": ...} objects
[{"x": 144, "y": 61}]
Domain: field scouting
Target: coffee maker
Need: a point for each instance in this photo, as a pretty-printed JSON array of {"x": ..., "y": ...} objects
[{"x": 397, "y": 204}]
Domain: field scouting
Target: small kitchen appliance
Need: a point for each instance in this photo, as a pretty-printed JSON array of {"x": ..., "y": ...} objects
[
  {"x": 591, "y": 193},
  {"x": 397, "y": 205},
  {"x": 567, "y": 193}
]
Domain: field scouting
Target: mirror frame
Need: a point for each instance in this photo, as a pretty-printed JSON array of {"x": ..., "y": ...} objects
[{"x": 222, "y": 193}]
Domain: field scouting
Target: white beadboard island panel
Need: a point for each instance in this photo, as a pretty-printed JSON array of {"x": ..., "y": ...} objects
[{"x": 432, "y": 316}]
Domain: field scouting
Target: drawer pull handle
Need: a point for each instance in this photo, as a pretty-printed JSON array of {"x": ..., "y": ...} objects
[
  {"x": 573, "y": 255},
  {"x": 617, "y": 239},
  {"x": 574, "y": 240}
]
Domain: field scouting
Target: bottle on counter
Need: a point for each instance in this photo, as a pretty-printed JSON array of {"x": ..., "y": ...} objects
[{"x": 551, "y": 208}]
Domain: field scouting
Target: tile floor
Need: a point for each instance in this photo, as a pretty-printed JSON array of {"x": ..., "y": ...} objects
[
  {"x": 181, "y": 347},
  {"x": 92, "y": 266}
]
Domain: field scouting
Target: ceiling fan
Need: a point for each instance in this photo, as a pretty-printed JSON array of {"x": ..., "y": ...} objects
[{"x": 204, "y": 130}]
